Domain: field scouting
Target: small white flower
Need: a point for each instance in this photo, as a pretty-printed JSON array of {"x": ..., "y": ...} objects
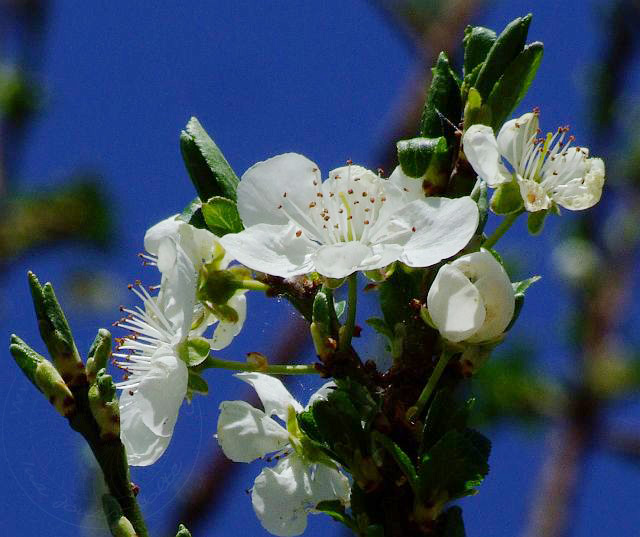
[
  {"x": 281, "y": 496},
  {"x": 471, "y": 299},
  {"x": 547, "y": 170},
  {"x": 156, "y": 380},
  {"x": 355, "y": 220}
]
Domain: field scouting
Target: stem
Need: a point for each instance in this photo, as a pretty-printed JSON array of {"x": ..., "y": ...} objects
[
  {"x": 288, "y": 369},
  {"x": 352, "y": 300},
  {"x": 254, "y": 285},
  {"x": 433, "y": 380},
  {"x": 501, "y": 229}
]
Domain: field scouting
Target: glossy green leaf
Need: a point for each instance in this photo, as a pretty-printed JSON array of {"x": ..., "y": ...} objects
[
  {"x": 192, "y": 214},
  {"x": 221, "y": 216},
  {"x": 443, "y": 107},
  {"x": 513, "y": 85},
  {"x": 477, "y": 44},
  {"x": 399, "y": 456},
  {"x": 504, "y": 50},
  {"x": 521, "y": 286},
  {"x": 416, "y": 154},
  {"x": 210, "y": 172}
]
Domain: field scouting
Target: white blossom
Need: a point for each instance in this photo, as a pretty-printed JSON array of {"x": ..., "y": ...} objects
[
  {"x": 281, "y": 496},
  {"x": 471, "y": 299},
  {"x": 355, "y": 220},
  {"x": 156, "y": 375},
  {"x": 547, "y": 169}
]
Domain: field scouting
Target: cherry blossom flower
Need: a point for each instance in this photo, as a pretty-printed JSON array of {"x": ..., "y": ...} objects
[
  {"x": 281, "y": 496},
  {"x": 152, "y": 354},
  {"x": 547, "y": 170},
  {"x": 471, "y": 299},
  {"x": 354, "y": 221}
]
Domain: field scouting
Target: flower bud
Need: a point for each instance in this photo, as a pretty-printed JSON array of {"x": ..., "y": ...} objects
[
  {"x": 51, "y": 384},
  {"x": 98, "y": 354},
  {"x": 471, "y": 299},
  {"x": 104, "y": 405}
]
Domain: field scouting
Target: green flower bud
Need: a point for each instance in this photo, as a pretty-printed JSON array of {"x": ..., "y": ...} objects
[
  {"x": 104, "y": 405},
  {"x": 98, "y": 354},
  {"x": 183, "y": 531},
  {"x": 50, "y": 382}
]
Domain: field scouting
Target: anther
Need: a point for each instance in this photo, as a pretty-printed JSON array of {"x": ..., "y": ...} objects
[{"x": 350, "y": 191}]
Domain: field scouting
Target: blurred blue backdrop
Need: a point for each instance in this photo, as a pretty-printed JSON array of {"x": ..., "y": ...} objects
[{"x": 322, "y": 79}]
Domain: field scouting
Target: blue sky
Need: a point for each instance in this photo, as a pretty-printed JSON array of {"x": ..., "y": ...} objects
[{"x": 122, "y": 79}]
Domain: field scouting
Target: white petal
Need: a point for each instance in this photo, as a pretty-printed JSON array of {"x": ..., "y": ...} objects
[
  {"x": 262, "y": 188},
  {"x": 533, "y": 195},
  {"x": 275, "y": 398},
  {"x": 481, "y": 149},
  {"x": 442, "y": 226},
  {"x": 246, "y": 433},
  {"x": 161, "y": 392},
  {"x": 274, "y": 249},
  {"x": 494, "y": 286},
  {"x": 329, "y": 484},
  {"x": 225, "y": 332},
  {"x": 584, "y": 191},
  {"x": 322, "y": 393},
  {"x": 143, "y": 446},
  {"x": 455, "y": 305},
  {"x": 280, "y": 497},
  {"x": 343, "y": 258},
  {"x": 412, "y": 187},
  {"x": 166, "y": 228},
  {"x": 515, "y": 137}
]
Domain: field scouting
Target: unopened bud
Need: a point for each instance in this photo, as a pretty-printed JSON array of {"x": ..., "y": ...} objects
[
  {"x": 98, "y": 354},
  {"x": 183, "y": 531},
  {"x": 258, "y": 360},
  {"x": 51, "y": 384},
  {"x": 119, "y": 525},
  {"x": 104, "y": 405}
]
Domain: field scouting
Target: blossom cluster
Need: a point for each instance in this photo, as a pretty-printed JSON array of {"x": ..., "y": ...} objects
[{"x": 295, "y": 225}]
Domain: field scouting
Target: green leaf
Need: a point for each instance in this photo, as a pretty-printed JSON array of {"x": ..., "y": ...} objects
[
  {"x": 443, "y": 106},
  {"x": 192, "y": 214},
  {"x": 196, "y": 384},
  {"x": 340, "y": 307},
  {"x": 456, "y": 464},
  {"x": 535, "y": 221},
  {"x": 520, "y": 287},
  {"x": 375, "y": 530},
  {"x": 396, "y": 293},
  {"x": 506, "y": 199},
  {"x": 513, "y": 85},
  {"x": 402, "y": 459},
  {"x": 416, "y": 154},
  {"x": 504, "y": 50},
  {"x": 450, "y": 524},
  {"x": 477, "y": 43},
  {"x": 221, "y": 216},
  {"x": 308, "y": 425},
  {"x": 444, "y": 414},
  {"x": 210, "y": 172},
  {"x": 380, "y": 326}
]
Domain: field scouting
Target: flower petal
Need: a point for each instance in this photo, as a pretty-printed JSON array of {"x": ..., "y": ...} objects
[
  {"x": 274, "y": 249},
  {"x": 143, "y": 446},
  {"x": 515, "y": 138},
  {"x": 442, "y": 227},
  {"x": 263, "y": 186},
  {"x": 225, "y": 332},
  {"x": 344, "y": 258},
  {"x": 165, "y": 228},
  {"x": 533, "y": 195},
  {"x": 455, "y": 304},
  {"x": 280, "y": 496},
  {"x": 481, "y": 149},
  {"x": 161, "y": 392},
  {"x": 275, "y": 398},
  {"x": 412, "y": 187},
  {"x": 246, "y": 433},
  {"x": 329, "y": 484}
]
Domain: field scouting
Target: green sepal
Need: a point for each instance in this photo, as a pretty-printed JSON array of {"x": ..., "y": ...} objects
[
  {"x": 521, "y": 286},
  {"x": 399, "y": 456},
  {"x": 119, "y": 525},
  {"x": 450, "y": 523},
  {"x": 477, "y": 43},
  {"x": 324, "y": 321},
  {"x": 535, "y": 221},
  {"x": 416, "y": 154},
  {"x": 519, "y": 303},
  {"x": 210, "y": 172},
  {"x": 99, "y": 353},
  {"x": 513, "y": 85},
  {"x": 216, "y": 287},
  {"x": 55, "y": 332},
  {"x": 443, "y": 103},
  {"x": 335, "y": 509},
  {"x": 194, "y": 351},
  {"x": 221, "y": 216},
  {"x": 192, "y": 214},
  {"x": 183, "y": 531},
  {"x": 480, "y": 195},
  {"x": 196, "y": 384},
  {"x": 504, "y": 50},
  {"x": 506, "y": 199}
]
